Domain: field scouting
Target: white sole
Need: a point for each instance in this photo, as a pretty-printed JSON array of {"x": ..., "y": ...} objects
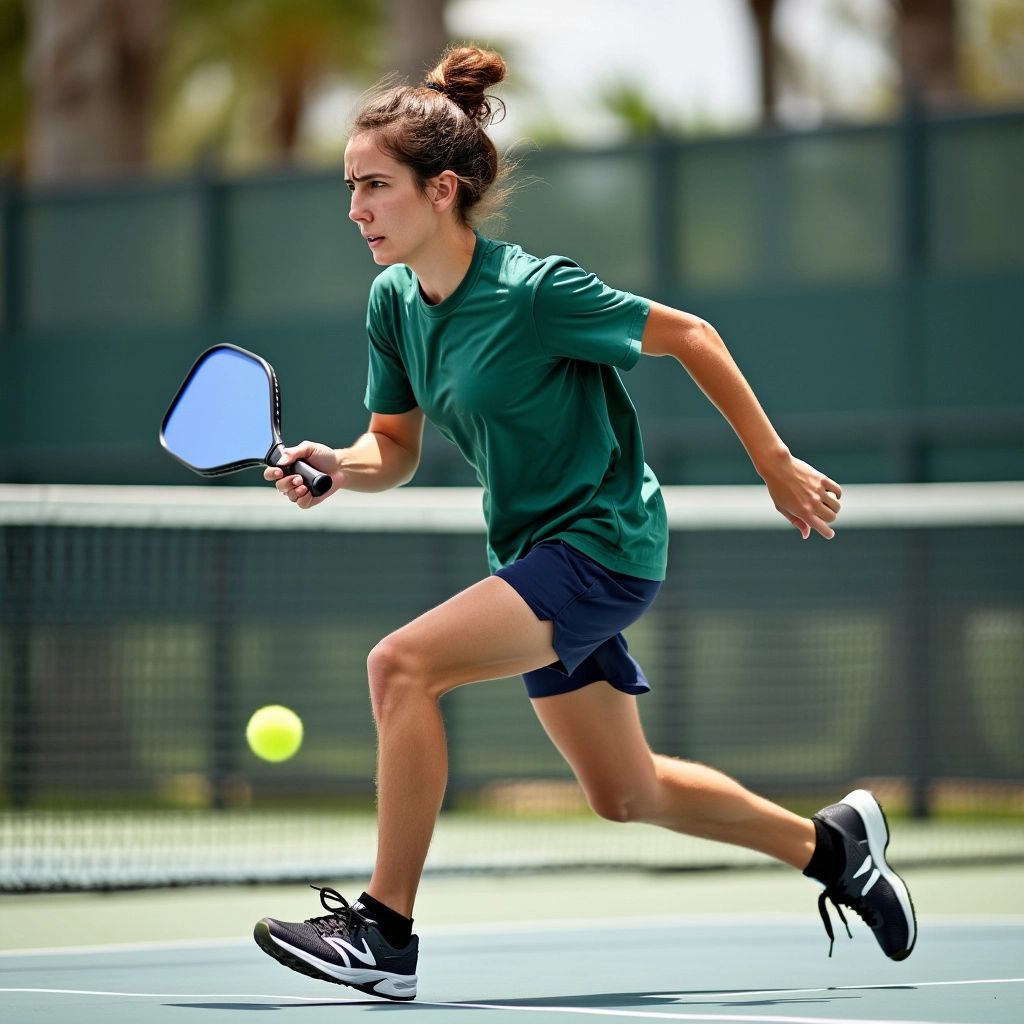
[
  {"x": 384, "y": 983},
  {"x": 878, "y": 840}
]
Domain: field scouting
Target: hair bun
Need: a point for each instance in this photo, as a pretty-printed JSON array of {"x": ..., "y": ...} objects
[{"x": 464, "y": 73}]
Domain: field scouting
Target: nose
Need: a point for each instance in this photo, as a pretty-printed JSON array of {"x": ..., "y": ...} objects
[{"x": 356, "y": 211}]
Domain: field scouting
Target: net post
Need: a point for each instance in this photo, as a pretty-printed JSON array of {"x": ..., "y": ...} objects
[
  {"x": 440, "y": 557},
  {"x": 223, "y": 675},
  {"x": 673, "y": 660},
  {"x": 20, "y": 738},
  {"x": 918, "y": 671}
]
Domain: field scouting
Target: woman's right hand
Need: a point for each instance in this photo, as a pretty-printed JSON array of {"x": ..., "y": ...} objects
[
  {"x": 806, "y": 497},
  {"x": 291, "y": 485}
]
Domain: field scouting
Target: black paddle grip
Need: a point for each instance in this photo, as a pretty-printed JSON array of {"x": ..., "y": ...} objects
[{"x": 317, "y": 482}]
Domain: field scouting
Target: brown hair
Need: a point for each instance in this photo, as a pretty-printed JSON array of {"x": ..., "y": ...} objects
[{"x": 439, "y": 125}]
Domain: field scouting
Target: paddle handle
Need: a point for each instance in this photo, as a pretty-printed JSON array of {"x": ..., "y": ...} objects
[{"x": 317, "y": 482}]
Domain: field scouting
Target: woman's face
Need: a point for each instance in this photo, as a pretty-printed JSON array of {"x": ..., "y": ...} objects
[{"x": 390, "y": 209}]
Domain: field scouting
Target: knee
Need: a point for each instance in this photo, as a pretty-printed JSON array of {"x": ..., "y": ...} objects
[{"x": 395, "y": 674}]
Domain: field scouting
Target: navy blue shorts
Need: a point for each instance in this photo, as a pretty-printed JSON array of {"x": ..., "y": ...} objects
[{"x": 589, "y": 605}]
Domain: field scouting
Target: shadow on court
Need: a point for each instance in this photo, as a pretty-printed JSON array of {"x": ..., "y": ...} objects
[
  {"x": 255, "y": 1007},
  {"x": 632, "y": 1000}
]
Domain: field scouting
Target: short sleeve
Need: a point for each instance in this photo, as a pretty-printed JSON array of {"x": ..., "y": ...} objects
[
  {"x": 387, "y": 384},
  {"x": 577, "y": 316}
]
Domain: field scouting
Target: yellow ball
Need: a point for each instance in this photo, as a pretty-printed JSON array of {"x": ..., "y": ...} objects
[{"x": 274, "y": 733}]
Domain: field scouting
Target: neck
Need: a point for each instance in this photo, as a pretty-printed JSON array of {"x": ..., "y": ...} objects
[{"x": 442, "y": 265}]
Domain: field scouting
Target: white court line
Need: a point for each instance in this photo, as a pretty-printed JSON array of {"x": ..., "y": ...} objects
[
  {"x": 580, "y": 1011},
  {"x": 577, "y": 1010},
  {"x": 185, "y": 995}
]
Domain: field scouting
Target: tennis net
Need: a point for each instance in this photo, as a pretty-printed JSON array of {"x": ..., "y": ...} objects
[{"x": 140, "y": 627}]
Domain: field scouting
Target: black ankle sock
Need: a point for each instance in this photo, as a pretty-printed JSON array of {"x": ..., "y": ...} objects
[
  {"x": 828, "y": 860},
  {"x": 393, "y": 926}
]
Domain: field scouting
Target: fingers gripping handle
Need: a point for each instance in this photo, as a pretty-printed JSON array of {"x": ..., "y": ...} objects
[{"x": 317, "y": 482}]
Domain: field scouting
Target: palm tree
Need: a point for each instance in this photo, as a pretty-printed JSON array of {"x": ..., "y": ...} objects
[
  {"x": 416, "y": 34},
  {"x": 763, "y": 13},
  {"x": 90, "y": 73},
  {"x": 101, "y": 72},
  {"x": 928, "y": 51},
  {"x": 13, "y": 90},
  {"x": 926, "y": 46},
  {"x": 275, "y": 54}
]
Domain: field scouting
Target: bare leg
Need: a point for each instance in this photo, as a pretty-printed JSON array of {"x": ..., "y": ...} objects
[
  {"x": 486, "y": 632},
  {"x": 597, "y": 729}
]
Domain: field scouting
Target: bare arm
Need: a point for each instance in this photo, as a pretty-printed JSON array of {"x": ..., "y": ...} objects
[
  {"x": 807, "y": 498},
  {"x": 386, "y": 456}
]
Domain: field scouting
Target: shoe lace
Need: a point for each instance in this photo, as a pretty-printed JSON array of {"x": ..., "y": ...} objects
[
  {"x": 341, "y": 917},
  {"x": 839, "y": 896}
]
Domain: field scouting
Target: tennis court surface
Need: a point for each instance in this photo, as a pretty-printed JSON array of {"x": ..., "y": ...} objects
[
  {"x": 139, "y": 629},
  {"x": 630, "y": 957}
]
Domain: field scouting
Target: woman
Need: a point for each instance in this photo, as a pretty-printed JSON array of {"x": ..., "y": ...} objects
[{"x": 513, "y": 358}]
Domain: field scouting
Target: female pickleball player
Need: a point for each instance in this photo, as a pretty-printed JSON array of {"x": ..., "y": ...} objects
[{"x": 514, "y": 359}]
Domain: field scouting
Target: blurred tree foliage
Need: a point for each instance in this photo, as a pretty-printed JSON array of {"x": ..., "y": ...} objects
[
  {"x": 993, "y": 50},
  {"x": 922, "y": 34},
  {"x": 943, "y": 53},
  {"x": 13, "y": 87},
  {"x": 239, "y": 76},
  {"x": 237, "y": 80},
  {"x": 924, "y": 40},
  {"x": 627, "y": 101},
  {"x": 233, "y": 79}
]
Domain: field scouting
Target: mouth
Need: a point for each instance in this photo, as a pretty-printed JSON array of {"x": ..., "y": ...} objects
[{"x": 373, "y": 240}]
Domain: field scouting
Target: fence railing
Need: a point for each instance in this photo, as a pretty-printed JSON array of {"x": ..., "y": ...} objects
[{"x": 868, "y": 280}]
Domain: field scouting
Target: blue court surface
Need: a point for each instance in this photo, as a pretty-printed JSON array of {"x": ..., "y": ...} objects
[{"x": 753, "y": 967}]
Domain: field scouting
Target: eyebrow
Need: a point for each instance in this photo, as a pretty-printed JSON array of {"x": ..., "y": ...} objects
[{"x": 364, "y": 177}]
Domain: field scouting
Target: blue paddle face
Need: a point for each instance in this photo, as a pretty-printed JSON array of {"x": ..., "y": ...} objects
[{"x": 223, "y": 416}]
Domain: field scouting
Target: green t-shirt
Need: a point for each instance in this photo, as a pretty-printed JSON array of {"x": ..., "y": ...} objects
[{"x": 517, "y": 368}]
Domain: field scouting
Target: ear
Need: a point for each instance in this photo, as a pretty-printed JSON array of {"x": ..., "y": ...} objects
[{"x": 443, "y": 190}]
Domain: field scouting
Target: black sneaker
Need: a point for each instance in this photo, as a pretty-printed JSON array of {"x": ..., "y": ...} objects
[
  {"x": 344, "y": 946},
  {"x": 867, "y": 884}
]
